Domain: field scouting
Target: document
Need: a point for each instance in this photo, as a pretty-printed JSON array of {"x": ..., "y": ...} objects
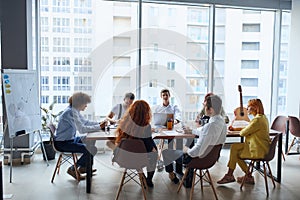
[{"x": 171, "y": 133}]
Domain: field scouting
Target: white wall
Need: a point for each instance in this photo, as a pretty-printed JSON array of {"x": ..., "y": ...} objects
[{"x": 293, "y": 91}]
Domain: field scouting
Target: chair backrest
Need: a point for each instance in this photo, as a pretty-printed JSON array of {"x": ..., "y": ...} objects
[
  {"x": 131, "y": 154},
  {"x": 294, "y": 126},
  {"x": 272, "y": 149},
  {"x": 209, "y": 160},
  {"x": 279, "y": 124},
  {"x": 52, "y": 129}
]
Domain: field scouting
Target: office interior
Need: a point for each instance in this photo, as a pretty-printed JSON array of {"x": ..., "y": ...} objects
[{"x": 32, "y": 181}]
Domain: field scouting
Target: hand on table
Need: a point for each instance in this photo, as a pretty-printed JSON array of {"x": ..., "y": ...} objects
[{"x": 185, "y": 149}]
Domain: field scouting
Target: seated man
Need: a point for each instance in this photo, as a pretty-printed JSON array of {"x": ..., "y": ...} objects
[
  {"x": 212, "y": 133},
  {"x": 168, "y": 108},
  {"x": 117, "y": 113},
  {"x": 66, "y": 139},
  {"x": 118, "y": 110}
]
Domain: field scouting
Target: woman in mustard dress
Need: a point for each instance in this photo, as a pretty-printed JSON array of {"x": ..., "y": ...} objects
[{"x": 256, "y": 145}]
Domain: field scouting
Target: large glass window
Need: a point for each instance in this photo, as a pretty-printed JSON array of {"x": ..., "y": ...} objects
[
  {"x": 92, "y": 46},
  {"x": 180, "y": 47},
  {"x": 283, "y": 69},
  {"x": 242, "y": 55}
]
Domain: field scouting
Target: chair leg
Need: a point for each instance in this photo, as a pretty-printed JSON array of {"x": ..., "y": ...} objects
[
  {"x": 201, "y": 180},
  {"x": 75, "y": 167},
  {"x": 76, "y": 158},
  {"x": 211, "y": 184},
  {"x": 250, "y": 170},
  {"x": 292, "y": 144},
  {"x": 141, "y": 177},
  {"x": 184, "y": 176},
  {"x": 60, "y": 163},
  {"x": 283, "y": 157},
  {"x": 56, "y": 168},
  {"x": 121, "y": 184},
  {"x": 271, "y": 175},
  {"x": 193, "y": 183},
  {"x": 265, "y": 176},
  {"x": 144, "y": 180}
]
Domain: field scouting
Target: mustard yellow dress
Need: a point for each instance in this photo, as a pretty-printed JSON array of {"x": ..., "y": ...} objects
[{"x": 256, "y": 145}]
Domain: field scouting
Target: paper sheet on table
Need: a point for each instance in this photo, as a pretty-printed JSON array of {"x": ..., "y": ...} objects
[
  {"x": 240, "y": 124},
  {"x": 7, "y": 196},
  {"x": 171, "y": 133}
]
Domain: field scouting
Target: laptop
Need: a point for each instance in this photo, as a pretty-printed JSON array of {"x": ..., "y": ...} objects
[{"x": 160, "y": 119}]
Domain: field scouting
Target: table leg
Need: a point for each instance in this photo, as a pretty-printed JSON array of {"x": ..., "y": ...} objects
[
  {"x": 287, "y": 137},
  {"x": 279, "y": 159},
  {"x": 89, "y": 174},
  {"x": 179, "y": 146}
]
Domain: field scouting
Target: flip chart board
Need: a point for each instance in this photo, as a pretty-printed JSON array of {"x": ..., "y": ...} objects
[{"x": 21, "y": 96}]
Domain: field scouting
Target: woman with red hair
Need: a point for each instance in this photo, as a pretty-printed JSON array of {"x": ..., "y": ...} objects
[
  {"x": 135, "y": 124},
  {"x": 256, "y": 145}
]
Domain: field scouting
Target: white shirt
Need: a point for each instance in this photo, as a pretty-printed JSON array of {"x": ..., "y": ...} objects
[
  {"x": 172, "y": 109},
  {"x": 70, "y": 121},
  {"x": 116, "y": 111},
  {"x": 212, "y": 133}
]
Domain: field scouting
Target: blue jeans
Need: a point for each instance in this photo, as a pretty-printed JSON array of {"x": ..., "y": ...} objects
[{"x": 78, "y": 145}]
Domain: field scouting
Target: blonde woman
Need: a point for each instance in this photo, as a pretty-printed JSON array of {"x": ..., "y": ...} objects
[{"x": 256, "y": 145}]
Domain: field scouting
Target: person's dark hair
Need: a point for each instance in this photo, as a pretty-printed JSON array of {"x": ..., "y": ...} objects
[
  {"x": 164, "y": 91},
  {"x": 215, "y": 102},
  {"x": 207, "y": 95},
  {"x": 78, "y": 99},
  {"x": 129, "y": 95}
]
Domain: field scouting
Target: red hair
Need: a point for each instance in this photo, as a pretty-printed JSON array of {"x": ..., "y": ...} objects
[
  {"x": 134, "y": 121},
  {"x": 257, "y": 104}
]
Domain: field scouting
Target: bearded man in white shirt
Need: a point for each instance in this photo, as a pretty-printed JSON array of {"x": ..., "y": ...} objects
[{"x": 212, "y": 133}]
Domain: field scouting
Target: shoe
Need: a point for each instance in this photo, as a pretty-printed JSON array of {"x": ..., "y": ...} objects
[
  {"x": 248, "y": 180},
  {"x": 82, "y": 170},
  {"x": 73, "y": 174},
  {"x": 226, "y": 179},
  {"x": 173, "y": 177}
]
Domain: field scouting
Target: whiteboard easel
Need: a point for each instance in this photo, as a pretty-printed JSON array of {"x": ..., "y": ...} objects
[{"x": 21, "y": 95}]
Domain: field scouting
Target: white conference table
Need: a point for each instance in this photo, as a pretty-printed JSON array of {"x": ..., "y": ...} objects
[{"x": 106, "y": 135}]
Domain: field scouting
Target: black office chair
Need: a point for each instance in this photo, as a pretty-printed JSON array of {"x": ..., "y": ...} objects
[
  {"x": 202, "y": 164},
  {"x": 64, "y": 157},
  {"x": 131, "y": 154}
]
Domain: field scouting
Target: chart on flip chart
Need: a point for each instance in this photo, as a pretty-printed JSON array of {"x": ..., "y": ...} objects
[{"x": 21, "y": 96}]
